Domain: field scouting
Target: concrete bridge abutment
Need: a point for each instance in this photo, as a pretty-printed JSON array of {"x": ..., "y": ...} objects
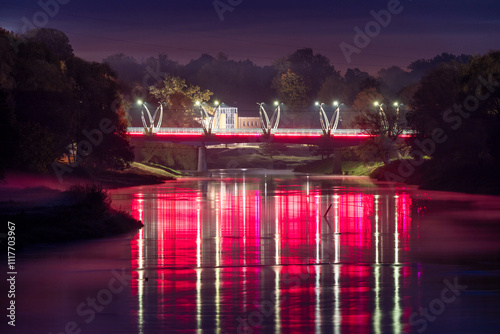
[{"x": 202, "y": 158}]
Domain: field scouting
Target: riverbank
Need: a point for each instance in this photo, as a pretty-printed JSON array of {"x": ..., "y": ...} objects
[
  {"x": 325, "y": 166},
  {"x": 44, "y": 215},
  {"x": 47, "y": 210},
  {"x": 137, "y": 174},
  {"x": 470, "y": 179}
]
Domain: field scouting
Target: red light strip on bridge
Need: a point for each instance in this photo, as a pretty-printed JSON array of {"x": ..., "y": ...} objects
[
  {"x": 314, "y": 135},
  {"x": 239, "y": 134},
  {"x": 297, "y": 134},
  {"x": 167, "y": 134},
  {"x": 181, "y": 134},
  {"x": 356, "y": 135}
]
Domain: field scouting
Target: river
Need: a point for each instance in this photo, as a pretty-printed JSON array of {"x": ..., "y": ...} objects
[{"x": 255, "y": 251}]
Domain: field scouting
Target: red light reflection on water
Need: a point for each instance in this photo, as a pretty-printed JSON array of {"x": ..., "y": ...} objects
[{"x": 215, "y": 252}]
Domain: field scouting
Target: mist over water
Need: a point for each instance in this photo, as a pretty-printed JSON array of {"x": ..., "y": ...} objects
[{"x": 275, "y": 252}]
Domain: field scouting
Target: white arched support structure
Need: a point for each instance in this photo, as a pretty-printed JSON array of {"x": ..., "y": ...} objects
[
  {"x": 397, "y": 121},
  {"x": 266, "y": 124},
  {"x": 209, "y": 122},
  {"x": 329, "y": 126},
  {"x": 152, "y": 128}
]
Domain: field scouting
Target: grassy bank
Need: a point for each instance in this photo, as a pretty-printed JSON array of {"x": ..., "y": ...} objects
[
  {"x": 83, "y": 212},
  {"x": 137, "y": 174},
  {"x": 325, "y": 166}
]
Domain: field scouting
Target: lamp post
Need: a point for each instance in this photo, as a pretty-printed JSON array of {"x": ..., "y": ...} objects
[
  {"x": 332, "y": 124},
  {"x": 382, "y": 114},
  {"x": 272, "y": 124},
  {"x": 206, "y": 120},
  {"x": 151, "y": 128},
  {"x": 398, "y": 106}
]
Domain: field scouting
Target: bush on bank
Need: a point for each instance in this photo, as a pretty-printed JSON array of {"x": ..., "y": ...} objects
[{"x": 83, "y": 212}]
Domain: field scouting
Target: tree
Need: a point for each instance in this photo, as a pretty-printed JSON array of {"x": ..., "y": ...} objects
[
  {"x": 97, "y": 99},
  {"x": 423, "y": 67},
  {"x": 54, "y": 40},
  {"x": 180, "y": 99},
  {"x": 8, "y": 47},
  {"x": 382, "y": 122},
  {"x": 35, "y": 147},
  {"x": 292, "y": 90},
  {"x": 353, "y": 80},
  {"x": 9, "y": 134},
  {"x": 463, "y": 101},
  {"x": 333, "y": 88},
  {"x": 436, "y": 93},
  {"x": 394, "y": 79},
  {"x": 313, "y": 68},
  {"x": 127, "y": 68}
]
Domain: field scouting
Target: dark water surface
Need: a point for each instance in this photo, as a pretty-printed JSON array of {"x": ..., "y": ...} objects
[{"x": 254, "y": 252}]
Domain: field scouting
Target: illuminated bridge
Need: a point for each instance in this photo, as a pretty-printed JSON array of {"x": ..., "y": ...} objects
[
  {"x": 212, "y": 133},
  {"x": 197, "y": 136}
]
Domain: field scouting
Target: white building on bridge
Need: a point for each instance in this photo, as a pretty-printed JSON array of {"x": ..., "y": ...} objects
[{"x": 230, "y": 119}]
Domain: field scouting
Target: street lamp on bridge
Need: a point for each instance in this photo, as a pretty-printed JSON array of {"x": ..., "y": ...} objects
[
  {"x": 329, "y": 125},
  {"x": 383, "y": 115},
  {"x": 209, "y": 122},
  {"x": 266, "y": 124},
  {"x": 151, "y": 128}
]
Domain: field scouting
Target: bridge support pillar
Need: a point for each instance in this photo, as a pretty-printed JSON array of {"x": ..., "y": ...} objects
[
  {"x": 202, "y": 158},
  {"x": 337, "y": 162}
]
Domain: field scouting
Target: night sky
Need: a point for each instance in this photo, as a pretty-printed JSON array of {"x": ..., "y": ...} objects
[{"x": 262, "y": 31}]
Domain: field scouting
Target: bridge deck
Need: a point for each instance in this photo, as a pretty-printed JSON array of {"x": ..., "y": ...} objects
[{"x": 341, "y": 137}]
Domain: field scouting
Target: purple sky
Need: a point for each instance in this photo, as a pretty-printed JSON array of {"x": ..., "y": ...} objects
[{"x": 262, "y": 31}]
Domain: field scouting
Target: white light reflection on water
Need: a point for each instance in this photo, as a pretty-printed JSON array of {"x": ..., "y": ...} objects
[{"x": 239, "y": 214}]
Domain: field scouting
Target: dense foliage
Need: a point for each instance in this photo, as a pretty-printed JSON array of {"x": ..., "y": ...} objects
[
  {"x": 456, "y": 115},
  {"x": 55, "y": 106}
]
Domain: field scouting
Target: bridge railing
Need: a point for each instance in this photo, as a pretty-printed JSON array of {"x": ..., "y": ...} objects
[{"x": 353, "y": 132}]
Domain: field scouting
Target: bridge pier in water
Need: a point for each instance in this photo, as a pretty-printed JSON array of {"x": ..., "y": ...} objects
[{"x": 202, "y": 158}]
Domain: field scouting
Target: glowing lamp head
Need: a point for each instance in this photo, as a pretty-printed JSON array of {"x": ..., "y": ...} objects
[
  {"x": 396, "y": 104},
  {"x": 139, "y": 102},
  {"x": 335, "y": 103},
  {"x": 276, "y": 103},
  {"x": 216, "y": 102},
  {"x": 197, "y": 103},
  {"x": 376, "y": 103},
  {"x": 316, "y": 103}
]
